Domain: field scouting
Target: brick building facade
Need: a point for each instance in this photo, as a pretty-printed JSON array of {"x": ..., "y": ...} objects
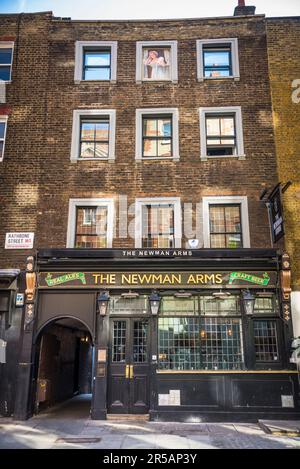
[{"x": 46, "y": 180}]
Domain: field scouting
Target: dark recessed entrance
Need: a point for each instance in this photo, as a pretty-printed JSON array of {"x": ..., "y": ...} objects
[
  {"x": 129, "y": 358},
  {"x": 63, "y": 363}
]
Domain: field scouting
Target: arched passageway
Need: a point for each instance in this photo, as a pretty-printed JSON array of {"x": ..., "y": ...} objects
[{"x": 64, "y": 363}]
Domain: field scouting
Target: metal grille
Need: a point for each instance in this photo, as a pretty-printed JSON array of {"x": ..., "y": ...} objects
[
  {"x": 140, "y": 332},
  {"x": 178, "y": 343},
  {"x": 119, "y": 341},
  {"x": 221, "y": 344},
  {"x": 265, "y": 341}
]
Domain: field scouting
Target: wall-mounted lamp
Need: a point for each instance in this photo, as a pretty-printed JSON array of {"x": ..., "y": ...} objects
[
  {"x": 248, "y": 302},
  {"x": 154, "y": 300},
  {"x": 102, "y": 302}
]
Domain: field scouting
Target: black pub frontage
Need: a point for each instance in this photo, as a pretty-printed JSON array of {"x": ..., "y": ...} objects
[{"x": 179, "y": 335}]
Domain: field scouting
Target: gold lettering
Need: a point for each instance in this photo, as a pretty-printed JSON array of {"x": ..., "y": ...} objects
[
  {"x": 157, "y": 278},
  {"x": 200, "y": 278},
  {"x": 95, "y": 278},
  {"x": 191, "y": 279},
  {"x": 126, "y": 278},
  {"x": 219, "y": 278},
  {"x": 176, "y": 278},
  {"x": 210, "y": 278}
]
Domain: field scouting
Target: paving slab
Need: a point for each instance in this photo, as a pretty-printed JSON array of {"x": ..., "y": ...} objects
[{"x": 283, "y": 427}]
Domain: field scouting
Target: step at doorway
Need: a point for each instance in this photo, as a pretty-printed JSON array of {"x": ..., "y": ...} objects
[{"x": 132, "y": 417}]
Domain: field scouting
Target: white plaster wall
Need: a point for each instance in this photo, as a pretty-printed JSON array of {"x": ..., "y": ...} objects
[{"x": 295, "y": 300}]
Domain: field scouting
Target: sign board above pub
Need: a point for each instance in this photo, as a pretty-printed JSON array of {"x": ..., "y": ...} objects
[{"x": 164, "y": 279}]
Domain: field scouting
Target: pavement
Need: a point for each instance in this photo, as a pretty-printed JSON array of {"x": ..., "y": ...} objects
[{"x": 68, "y": 425}]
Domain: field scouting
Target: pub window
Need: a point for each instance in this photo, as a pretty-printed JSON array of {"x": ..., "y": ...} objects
[
  {"x": 6, "y": 57},
  {"x": 226, "y": 223},
  {"x": 209, "y": 340},
  {"x": 157, "y": 136},
  {"x": 123, "y": 305},
  {"x": 90, "y": 223},
  {"x": 220, "y": 135},
  {"x": 266, "y": 305},
  {"x": 95, "y": 61},
  {"x": 156, "y": 61},
  {"x": 158, "y": 226},
  {"x": 265, "y": 341},
  {"x": 217, "y": 59},
  {"x": 3, "y": 125},
  {"x": 221, "y": 132},
  {"x": 225, "y": 226},
  {"x": 93, "y": 135},
  {"x": 94, "y": 138},
  {"x": 91, "y": 234},
  {"x": 158, "y": 222}
]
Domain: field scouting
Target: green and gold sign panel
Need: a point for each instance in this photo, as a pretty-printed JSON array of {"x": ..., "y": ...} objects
[{"x": 199, "y": 279}]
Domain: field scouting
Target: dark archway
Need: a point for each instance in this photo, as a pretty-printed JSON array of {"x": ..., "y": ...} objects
[{"x": 63, "y": 363}]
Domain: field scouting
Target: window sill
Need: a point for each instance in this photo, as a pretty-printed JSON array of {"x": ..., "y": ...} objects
[
  {"x": 156, "y": 81},
  {"x": 78, "y": 160},
  {"x": 231, "y": 78},
  {"x": 79, "y": 82},
  {"x": 174, "y": 372},
  {"x": 209, "y": 157},
  {"x": 155, "y": 158}
]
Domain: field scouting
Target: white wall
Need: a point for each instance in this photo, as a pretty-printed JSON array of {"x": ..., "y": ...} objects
[{"x": 295, "y": 299}]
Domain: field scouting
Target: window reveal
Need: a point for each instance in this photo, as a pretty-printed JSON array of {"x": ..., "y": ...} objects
[
  {"x": 158, "y": 226},
  {"x": 96, "y": 64},
  {"x": 91, "y": 227},
  {"x": 157, "y": 136},
  {"x": 94, "y": 138},
  {"x": 220, "y": 135},
  {"x": 225, "y": 226}
]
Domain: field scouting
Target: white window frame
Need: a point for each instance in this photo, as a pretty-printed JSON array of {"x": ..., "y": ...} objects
[
  {"x": 139, "y": 202},
  {"x": 139, "y": 113},
  {"x": 223, "y": 200},
  {"x": 8, "y": 45},
  {"x": 74, "y": 203},
  {"x": 79, "y": 47},
  {"x": 78, "y": 114},
  {"x": 3, "y": 119},
  {"x": 139, "y": 58},
  {"x": 237, "y": 111},
  {"x": 234, "y": 58}
]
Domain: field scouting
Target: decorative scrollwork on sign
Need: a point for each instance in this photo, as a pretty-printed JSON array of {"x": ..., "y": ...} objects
[
  {"x": 285, "y": 277},
  {"x": 31, "y": 281}
]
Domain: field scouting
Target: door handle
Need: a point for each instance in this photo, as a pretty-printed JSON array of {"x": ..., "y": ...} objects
[
  {"x": 127, "y": 370},
  {"x": 131, "y": 371}
]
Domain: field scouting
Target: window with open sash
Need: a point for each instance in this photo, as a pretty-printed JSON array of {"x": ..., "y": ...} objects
[
  {"x": 217, "y": 60},
  {"x": 225, "y": 226},
  {"x": 158, "y": 226},
  {"x": 220, "y": 134},
  {"x": 91, "y": 227},
  {"x": 94, "y": 138},
  {"x": 96, "y": 64},
  {"x": 157, "y": 136}
]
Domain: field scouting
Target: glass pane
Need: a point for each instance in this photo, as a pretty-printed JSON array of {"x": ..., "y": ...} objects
[
  {"x": 164, "y": 148},
  {"x": 1, "y": 149},
  {"x": 265, "y": 306},
  {"x": 140, "y": 332},
  {"x": 91, "y": 227},
  {"x": 5, "y": 73},
  {"x": 212, "y": 72},
  {"x": 101, "y": 150},
  {"x": 87, "y": 131},
  {"x": 234, "y": 241},
  {"x": 216, "y": 219},
  {"x": 156, "y": 64},
  {"x": 149, "y": 147},
  {"x": 211, "y": 306},
  {"x": 265, "y": 341},
  {"x": 213, "y": 126},
  {"x": 227, "y": 126},
  {"x": 97, "y": 58},
  {"x": 179, "y": 306},
  {"x": 149, "y": 127},
  {"x": 90, "y": 242},
  {"x": 221, "y": 344},
  {"x": 164, "y": 127},
  {"x": 216, "y": 58},
  {"x": 102, "y": 131},
  {"x": 121, "y": 305},
  {"x": 97, "y": 74},
  {"x": 5, "y": 56},
  {"x": 232, "y": 216},
  {"x": 2, "y": 129},
  {"x": 217, "y": 241},
  {"x": 119, "y": 341},
  {"x": 178, "y": 344},
  {"x": 87, "y": 150}
]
